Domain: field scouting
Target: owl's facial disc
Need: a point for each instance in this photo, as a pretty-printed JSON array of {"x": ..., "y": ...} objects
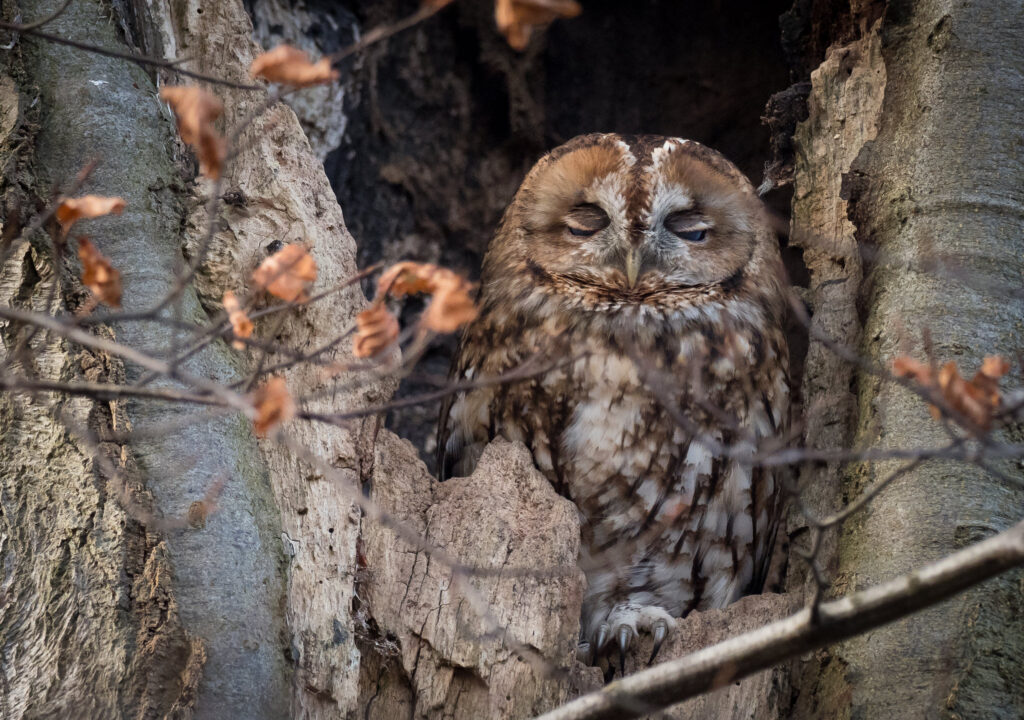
[{"x": 660, "y": 223}]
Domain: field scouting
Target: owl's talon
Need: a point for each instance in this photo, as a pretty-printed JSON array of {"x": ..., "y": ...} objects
[
  {"x": 602, "y": 638},
  {"x": 660, "y": 632},
  {"x": 624, "y": 635}
]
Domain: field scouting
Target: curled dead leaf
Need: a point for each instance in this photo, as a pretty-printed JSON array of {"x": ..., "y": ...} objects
[
  {"x": 977, "y": 398},
  {"x": 287, "y": 273},
  {"x": 71, "y": 210},
  {"x": 517, "y": 19},
  {"x": 376, "y": 329},
  {"x": 451, "y": 305},
  {"x": 904, "y": 366},
  {"x": 290, "y": 66},
  {"x": 200, "y": 510},
  {"x": 408, "y": 278},
  {"x": 274, "y": 405},
  {"x": 98, "y": 274},
  {"x": 450, "y": 309},
  {"x": 196, "y": 111},
  {"x": 241, "y": 325}
]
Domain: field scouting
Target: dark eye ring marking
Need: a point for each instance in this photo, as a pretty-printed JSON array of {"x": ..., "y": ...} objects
[
  {"x": 688, "y": 225},
  {"x": 586, "y": 219}
]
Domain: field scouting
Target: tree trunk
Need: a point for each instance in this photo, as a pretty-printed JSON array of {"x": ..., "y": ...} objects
[
  {"x": 921, "y": 115},
  {"x": 195, "y": 603}
]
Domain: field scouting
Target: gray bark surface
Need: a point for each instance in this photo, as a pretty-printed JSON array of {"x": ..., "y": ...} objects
[
  {"x": 227, "y": 577},
  {"x": 935, "y": 197}
]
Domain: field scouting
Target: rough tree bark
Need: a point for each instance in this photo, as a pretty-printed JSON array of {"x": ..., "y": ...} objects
[
  {"x": 920, "y": 117},
  {"x": 94, "y": 625}
]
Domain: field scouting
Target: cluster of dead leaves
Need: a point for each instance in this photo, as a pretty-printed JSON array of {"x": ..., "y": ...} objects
[
  {"x": 450, "y": 305},
  {"x": 102, "y": 279},
  {"x": 287, "y": 274},
  {"x": 196, "y": 110},
  {"x": 517, "y": 19},
  {"x": 976, "y": 399}
]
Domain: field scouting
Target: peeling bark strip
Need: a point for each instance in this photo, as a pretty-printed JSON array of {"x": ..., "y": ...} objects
[
  {"x": 844, "y": 104},
  {"x": 844, "y": 107}
]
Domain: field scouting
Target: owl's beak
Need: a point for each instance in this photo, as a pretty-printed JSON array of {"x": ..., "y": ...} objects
[{"x": 632, "y": 266}]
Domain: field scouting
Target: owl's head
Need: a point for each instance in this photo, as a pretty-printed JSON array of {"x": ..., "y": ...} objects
[{"x": 633, "y": 227}]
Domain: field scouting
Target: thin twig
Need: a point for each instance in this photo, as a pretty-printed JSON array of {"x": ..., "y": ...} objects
[{"x": 141, "y": 60}]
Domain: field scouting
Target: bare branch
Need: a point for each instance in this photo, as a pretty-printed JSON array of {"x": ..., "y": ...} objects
[
  {"x": 84, "y": 338},
  {"x": 32, "y": 29},
  {"x": 694, "y": 674},
  {"x": 101, "y": 391}
]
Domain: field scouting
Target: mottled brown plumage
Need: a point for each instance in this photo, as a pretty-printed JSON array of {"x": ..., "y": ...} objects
[{"x": 641, "y": 272}]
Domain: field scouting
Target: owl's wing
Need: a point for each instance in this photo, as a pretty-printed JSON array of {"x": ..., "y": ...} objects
[
  {"x": 769, "y": 496},
  {"x": 766, "y": 497},
  {"x": 460, "y": 446},
  {"x": 447, "y": 456}
]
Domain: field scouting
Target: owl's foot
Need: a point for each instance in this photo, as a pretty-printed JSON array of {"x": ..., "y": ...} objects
[{"x": 621, "y": 627}]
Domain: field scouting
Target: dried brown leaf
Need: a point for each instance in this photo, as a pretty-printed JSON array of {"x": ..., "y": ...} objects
[
  {"x": 287, "y": 273},
  {"x": 904, "y": 366},
  {"x": 290, "y": 66},
  {"x": 407, "y": 278},
  {"x": 98, "y": 274},
  {"x": 517, "y": 19},
  {"x": 274, "y": 405},
  {"x": 241, "y": 325},
  {"x": 71, "y": 210},
  {"x": 449, "y": 310},
  {"x": 196, "y": 111},
  {"x": 993, "y": 367},
  {"x": 376, "y": 329}
]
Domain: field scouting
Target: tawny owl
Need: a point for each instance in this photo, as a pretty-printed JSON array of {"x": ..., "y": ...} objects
[{"x": 633, "y": 300}]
